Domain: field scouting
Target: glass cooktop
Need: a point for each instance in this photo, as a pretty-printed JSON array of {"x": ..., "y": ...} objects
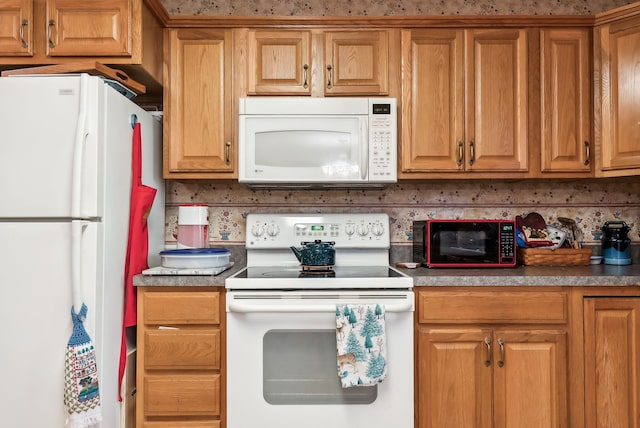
[
  {"x": 265, "y": 277},
  {"x": 319, "y": 272}
]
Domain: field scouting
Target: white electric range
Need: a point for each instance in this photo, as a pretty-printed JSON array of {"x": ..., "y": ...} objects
[{"x": 282, "y": 326}]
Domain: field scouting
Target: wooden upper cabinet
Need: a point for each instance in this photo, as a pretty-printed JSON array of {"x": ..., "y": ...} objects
[
  {"x": 199, "y": 113},
  {"x": 356, "y": 62},
  {"x": 496, "y": 100},
  {"x": 620, "y": 97},
  {"x": 279, "y": 62},
  {"x": 124, "y": 34},
  {"x": 464, "y": 101},
  {"x": 317, "y": 62},
  {"x": 16, "y": 27},
  {"x": 86, "y": 28},
  {"x": 566, "y": 108}
]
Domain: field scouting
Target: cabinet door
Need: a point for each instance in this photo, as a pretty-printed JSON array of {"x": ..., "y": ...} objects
[
  {"x": 565, "y": 100},
  {"x": 496, "y": 100},
  {"x": 88, "y": 28},
  {"x": 356, "y": 62},
  {"x": 16, "y": 28},
  {"x": 279, "y": 62},
  {"x": 620, "y": 104},
  {"x": 454, "y": 378},
  {"x": 198, "y": 104},
  {"x": 432, "y": 100},
  {"x": 612, "y": 362},
  {"x": 530, "y": 378}
]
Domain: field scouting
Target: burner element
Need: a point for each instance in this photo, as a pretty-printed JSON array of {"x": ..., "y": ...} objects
[{"x": 317, "y": 268}]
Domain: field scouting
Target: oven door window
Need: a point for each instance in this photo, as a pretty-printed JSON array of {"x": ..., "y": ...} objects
[{"x": 300, "y": 368}]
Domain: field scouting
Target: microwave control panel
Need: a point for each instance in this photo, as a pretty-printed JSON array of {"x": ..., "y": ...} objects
[
  {"x": 383, "y": 144},
  {"x": 507, "y": 242}
]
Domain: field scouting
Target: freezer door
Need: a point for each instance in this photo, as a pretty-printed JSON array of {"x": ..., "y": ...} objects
[{"x": 35, "y": 305}]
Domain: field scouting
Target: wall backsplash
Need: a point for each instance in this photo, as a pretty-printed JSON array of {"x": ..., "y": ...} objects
[
  {"x": 383, "y": 7},
  {"x": 589, "y": 202}
]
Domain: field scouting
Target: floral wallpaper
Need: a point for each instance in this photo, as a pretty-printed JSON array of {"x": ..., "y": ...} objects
[
  {"x": 386, "y": 7},
  {"x": 589, "y": 202}
]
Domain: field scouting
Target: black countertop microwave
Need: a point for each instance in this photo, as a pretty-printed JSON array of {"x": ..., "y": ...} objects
[{"x": 464, "y": 243}]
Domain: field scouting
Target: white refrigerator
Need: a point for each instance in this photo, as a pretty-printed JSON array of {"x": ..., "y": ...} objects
[{"x": 65, "y": 157}]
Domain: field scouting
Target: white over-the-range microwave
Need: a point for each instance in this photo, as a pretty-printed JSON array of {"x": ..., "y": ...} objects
[{"x": 317, "y": 142}]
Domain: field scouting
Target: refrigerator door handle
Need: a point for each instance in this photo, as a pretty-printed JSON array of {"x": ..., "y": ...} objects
[
  {"x": 77, "y": 229},
  {"x": 78, "y": 149}
]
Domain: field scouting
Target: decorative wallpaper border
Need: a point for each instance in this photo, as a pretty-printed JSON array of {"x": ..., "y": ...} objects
[{"x": 388, "y": 8}]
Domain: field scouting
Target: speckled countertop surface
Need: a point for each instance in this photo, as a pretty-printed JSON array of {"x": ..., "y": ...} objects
[{"x": 597, "y": 275}]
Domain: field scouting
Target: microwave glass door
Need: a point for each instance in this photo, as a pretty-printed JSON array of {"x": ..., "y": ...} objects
[
  {"x": 307, "y": 148},
  {"x": 464, "y": 243}
]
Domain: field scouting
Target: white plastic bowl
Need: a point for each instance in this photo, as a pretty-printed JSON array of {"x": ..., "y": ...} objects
[{"x": 194, "y": 258}]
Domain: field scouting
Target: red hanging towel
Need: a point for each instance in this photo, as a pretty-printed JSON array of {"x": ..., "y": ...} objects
[{"x": 137, "y": 245}]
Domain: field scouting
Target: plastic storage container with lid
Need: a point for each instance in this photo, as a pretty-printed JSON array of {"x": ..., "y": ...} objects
[{"x": 195, "y": 258}]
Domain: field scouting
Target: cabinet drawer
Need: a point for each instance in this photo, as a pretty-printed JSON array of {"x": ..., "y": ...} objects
[
  {"x": 181, "y": 308},
  {"x": 182, "y": 395},
  {"x": 180, "y": 424},
  {"x": 178, "y": 349},
  {"x": 492, "y": 307}
]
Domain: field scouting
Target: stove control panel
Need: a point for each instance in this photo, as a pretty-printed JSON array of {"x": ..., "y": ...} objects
[{"x": 346, "y": 230}]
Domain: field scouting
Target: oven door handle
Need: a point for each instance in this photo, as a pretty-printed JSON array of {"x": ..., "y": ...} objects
[{"x": 248, "y": 307}]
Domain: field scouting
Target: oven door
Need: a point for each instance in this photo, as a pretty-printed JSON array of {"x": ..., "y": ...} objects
[{"x": 282, "y": 362}]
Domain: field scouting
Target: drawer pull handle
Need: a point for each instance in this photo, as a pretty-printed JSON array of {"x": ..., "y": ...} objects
[
  {"x": 487, "y": 343},
  {"x": 227, "y": 153},
  {"x": 460, "y": 154},
  {"x": 587, "y": 152},
  {"x": 23, "y": 42},
  {"x": 472, "y": 152},
  {"x": 329, "y": 84},
  {"x": 501, "y": 360},
  {"x": 304, "y": 74},
  {"x": 52, "y": 23}
]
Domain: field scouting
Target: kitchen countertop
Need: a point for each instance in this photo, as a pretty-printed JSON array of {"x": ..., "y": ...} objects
[{"x": 593, "y": 275}]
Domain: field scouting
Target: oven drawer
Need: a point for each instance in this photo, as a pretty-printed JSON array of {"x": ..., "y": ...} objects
[
  {"x": 492, "y": 307},
  {"x": 179, "y": 349},
  {"x": 181, "y": 308},
  {"x": 182, "y": 395}
]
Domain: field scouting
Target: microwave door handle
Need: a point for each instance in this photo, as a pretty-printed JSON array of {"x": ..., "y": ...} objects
[{"x": 364, "y": 152}]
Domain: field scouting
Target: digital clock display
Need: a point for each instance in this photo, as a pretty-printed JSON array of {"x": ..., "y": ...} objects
[{"x": 317, "y": 228}]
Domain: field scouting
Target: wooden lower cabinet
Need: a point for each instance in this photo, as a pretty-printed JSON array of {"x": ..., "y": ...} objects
[
  {"x": 180, "y": 358},
  {"x": 612, "y": 362},
  {"x": 491, "y": 358}
]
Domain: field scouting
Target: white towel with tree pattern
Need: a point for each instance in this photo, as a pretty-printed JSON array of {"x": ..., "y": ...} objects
[{"x": 361, "y": 342}]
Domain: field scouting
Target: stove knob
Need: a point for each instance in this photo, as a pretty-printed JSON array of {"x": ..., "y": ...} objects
[
  {"x": 273, "y": 230},
  {"x": 378, "y": 229},
  {"x": 257, "y": 230},
  {"x": 349, "y": 229},
  {"x": 363, "y": 230}
]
